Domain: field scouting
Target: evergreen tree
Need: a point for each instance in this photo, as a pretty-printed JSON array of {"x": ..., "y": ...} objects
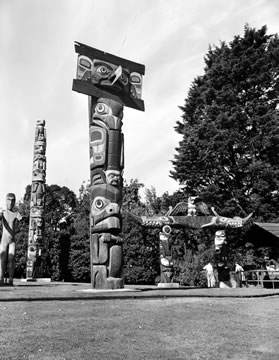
[
  {"x": 230, "y": 134},
  {"x": 21, "y": 240},
  {"x": 60, "y": 205},
  {"x": 141, "y": 246},
  {"x": 79, "y": 262}
]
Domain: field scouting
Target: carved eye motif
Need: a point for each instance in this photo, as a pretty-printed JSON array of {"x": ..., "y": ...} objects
[
  {"x": 124, "y": 79},
  {"x": 165, "y": 262},
  {"x": 103, "y": 70},
  {"x": 101, "y": 109},
  {"x": 99, "y": 204}
]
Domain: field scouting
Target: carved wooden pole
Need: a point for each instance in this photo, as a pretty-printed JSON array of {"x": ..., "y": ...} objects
[
  {"x": 37, "y": 203},
  {"x": 110, "y": 82}
]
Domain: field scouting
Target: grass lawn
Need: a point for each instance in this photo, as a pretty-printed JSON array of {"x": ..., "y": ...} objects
[{"x": 147, "y": 329}]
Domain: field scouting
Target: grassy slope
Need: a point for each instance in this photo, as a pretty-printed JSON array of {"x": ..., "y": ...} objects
[{"x": 186, "y": 328}]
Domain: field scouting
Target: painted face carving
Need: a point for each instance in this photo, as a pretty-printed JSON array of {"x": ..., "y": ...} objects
[
  {"x": 39, "y": 147},
  {"x": 111, "y": 76},
  {"x": 105, "y": 208},
  {"x": 39, "y": 167},
  {"x": 100, "y": 74},
  {"x": 109, "y": 112},
  {"x": 98, "y": 143},
  {"x": 40, "y": 134},
  {"x": 10, "y": 201},
  {"x": 220, "y": 239},
  {"x": 136, "y": 85},
  {"x": 113, "y": 177},
  {"x": 84, "y": 68},
  {"x": 37, "y": 194}
]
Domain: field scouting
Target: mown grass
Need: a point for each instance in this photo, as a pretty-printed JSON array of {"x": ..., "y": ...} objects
[{"x": 161, "y": 329}]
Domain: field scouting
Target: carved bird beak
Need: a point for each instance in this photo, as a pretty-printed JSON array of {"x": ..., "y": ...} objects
[{"x": 117, "y": 74}]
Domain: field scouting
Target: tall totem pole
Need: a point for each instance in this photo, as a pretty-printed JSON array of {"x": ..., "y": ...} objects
[
  {"x": 37, "y": 203},
  {"x": 110, "y": 82}
]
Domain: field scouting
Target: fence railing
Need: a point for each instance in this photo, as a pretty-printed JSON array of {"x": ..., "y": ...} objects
[{"x": 261, "y": 276}]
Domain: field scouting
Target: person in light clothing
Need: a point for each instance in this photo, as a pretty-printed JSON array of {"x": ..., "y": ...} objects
[
  {"x": 209, "y": 271},
  {"x": 239, "y": 271}
]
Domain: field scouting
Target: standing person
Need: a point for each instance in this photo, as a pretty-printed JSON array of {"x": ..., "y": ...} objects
[
  {"x": 239, "y": 272},
  {"x": 209, "y": 275},
  {"x": 7, "y": 246}
]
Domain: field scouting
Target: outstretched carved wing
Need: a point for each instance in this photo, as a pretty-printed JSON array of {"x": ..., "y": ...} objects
[
  {"x": 221, "y": 221},
  {"x": 179, "y": 209}
]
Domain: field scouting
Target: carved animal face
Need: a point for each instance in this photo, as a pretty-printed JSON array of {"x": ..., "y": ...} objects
[
  {"x": 220, "y": 239},
  {"x": 39, "y": 147},
  {"x": 109, "y": 112},
  {"x": 110, "y": 75},
  {"x": 105, "y": 208}
]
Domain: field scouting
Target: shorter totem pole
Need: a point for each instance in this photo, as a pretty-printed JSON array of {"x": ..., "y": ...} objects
[
  {"x": 166, "y": 261},
  {"x": 37, "y": 204},
  {"x": 110, "y": 83},
  {"x": 175, "y": 218}
]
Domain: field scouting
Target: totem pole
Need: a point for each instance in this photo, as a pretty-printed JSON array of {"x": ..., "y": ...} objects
[
  {"x": 37, "y": 203},
  {"x": 110, "y": 83},
  {"x": 166, "y": 260}
]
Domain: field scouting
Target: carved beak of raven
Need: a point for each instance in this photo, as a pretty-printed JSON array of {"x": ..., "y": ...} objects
[{"x": 116, "y": 75}]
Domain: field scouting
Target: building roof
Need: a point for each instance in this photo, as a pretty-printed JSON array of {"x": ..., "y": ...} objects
[{"x": 272, "y": 228}]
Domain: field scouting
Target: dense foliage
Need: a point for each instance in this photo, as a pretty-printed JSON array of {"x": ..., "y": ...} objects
[
  {"x": 141, "y": 247},
  {"x": 230, "y": 135}
]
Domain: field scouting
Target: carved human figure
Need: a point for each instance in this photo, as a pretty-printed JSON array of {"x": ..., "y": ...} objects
[
  {"x": 220, "y": 243},
  {"x": 39, "y": 168},
  {"x": 113, "y": 177},
  {"x": 37, "y": 230},
  {"x": 7, "y": 246},
  {"x": 40, "y": 132},
  {"x": 37, "y": 193},
  {"x": 39, "y": 147},
  {"x": 191, "y": 206}
]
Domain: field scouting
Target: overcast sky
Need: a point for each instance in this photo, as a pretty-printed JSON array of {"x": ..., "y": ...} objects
[{"x": 38, "y": 64}]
